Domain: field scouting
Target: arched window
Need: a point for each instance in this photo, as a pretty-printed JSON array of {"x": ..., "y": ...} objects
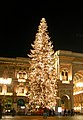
[
  {"x": 22, "y": 75},
  {"x": 21, "y": 102},
  {"x": 64, "y": 75}
]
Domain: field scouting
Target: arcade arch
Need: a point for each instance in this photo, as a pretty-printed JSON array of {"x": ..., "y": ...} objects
[
  {"x": 65, "y": 101},
  {"x": 78, "y": 91}
]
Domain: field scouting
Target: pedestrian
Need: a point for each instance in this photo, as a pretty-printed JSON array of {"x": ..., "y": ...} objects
[
  {"x": 45, "y": 113},
  {"x": 72, "y": 112},
  {"x": 65, "y": 112},
  {"x": 1, "y": 110},
  {"x": 69, "y": 112},
  {"x": 13, "y": 112},
  {"x": 26, "y": 111}
]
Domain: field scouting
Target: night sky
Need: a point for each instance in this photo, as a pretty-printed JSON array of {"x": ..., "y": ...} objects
[{"x": 19, "y": 23}]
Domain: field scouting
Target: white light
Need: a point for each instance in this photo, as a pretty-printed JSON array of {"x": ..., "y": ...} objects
[
  {"x": 22, "y": 107},
  {"x": 59, "y": 109},
  {"x": 79, "y": 84},
  {"x": 66, "y": 82},
  {"x": 67, "y": 97},
  {"x": 21, "y": 80},
  {"x": 79, "y": 92},
  {"x": 5, "y": 81}
]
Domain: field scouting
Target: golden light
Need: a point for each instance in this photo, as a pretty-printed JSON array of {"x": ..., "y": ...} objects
[
  {"x": 79, "y": 92},
  {"x": 77, "y": 108},
  {"x": 5, "y": 82},
  {"x": 42, "y": 75},
  {"x": 66, "y": 82},
  {"x": 21, "y": 80}
]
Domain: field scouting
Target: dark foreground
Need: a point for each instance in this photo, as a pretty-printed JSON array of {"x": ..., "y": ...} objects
[{"x": 76, "y": 117}]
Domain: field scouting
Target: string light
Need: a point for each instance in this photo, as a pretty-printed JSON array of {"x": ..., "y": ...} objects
[{"x": 42, "y": 76}]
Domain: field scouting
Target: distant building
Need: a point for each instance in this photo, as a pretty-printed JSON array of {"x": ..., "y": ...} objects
[{"x": 14, "y": 80}]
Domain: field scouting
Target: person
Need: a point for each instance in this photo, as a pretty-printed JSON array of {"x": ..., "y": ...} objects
[
  {"x": 1, "y": 110},
  {"x": 72, "y": 112},
  {"x": 68, "y": 112},
  {"x": 26, "y": 111},
  {"x": 65, "y": 112},
  {"x": 13, "y": 112},
  {"x": 45, "y": 113}
]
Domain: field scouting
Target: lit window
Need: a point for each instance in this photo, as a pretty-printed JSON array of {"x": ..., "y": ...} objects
[
  {"x": 21, "y": 89},
  {"x": 8, "y": 89},
  {"x": 22, "y": 75}
]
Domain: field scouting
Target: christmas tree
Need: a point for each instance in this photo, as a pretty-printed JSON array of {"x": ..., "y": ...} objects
[{"x": 42, "y": 76}]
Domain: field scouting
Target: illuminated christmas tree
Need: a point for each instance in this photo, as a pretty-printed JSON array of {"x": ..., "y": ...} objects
[{"x": 42, "y": 77}]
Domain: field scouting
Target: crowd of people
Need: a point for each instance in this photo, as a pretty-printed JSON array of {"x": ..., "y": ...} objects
[
  {"x": 46, "y": 112},
  {"x": 68, "y": 112}
]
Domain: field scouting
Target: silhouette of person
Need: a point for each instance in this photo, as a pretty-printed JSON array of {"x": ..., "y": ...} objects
[{"x": 1, "y": 110}]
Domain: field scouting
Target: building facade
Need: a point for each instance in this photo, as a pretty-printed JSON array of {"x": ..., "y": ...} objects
[
  {"x": 69, "y": 66},
  {"x": 14, "y": 80}
]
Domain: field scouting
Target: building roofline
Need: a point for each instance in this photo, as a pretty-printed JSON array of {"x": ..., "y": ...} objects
[{"x": 68, "y": 53}]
